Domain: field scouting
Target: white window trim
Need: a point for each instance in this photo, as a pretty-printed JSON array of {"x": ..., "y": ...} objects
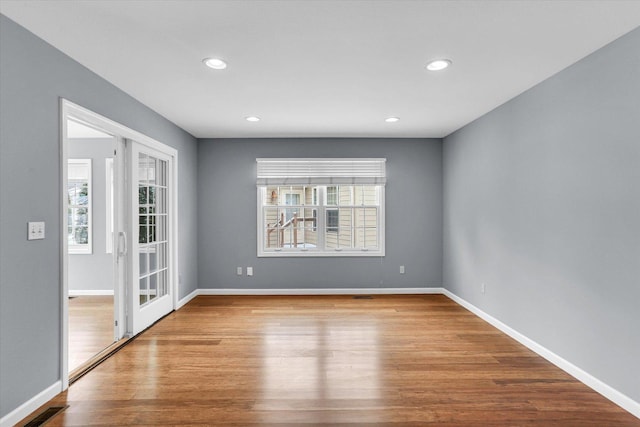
[{"x": 86, "y": 249}]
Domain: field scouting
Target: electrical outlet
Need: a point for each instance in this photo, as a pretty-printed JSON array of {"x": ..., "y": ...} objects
[
  {"x": 402, "y": 269},
  {"x": 249, "y": 271},
  {"x": 35, "y": 230},
  {"x": 482, "y": 288},
  {"x": 239, "y": 271}
]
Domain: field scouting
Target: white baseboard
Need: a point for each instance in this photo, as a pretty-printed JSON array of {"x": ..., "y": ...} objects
[
  {"x": 31, "y": 405},
  {"x": 321, "y": 291},
  {"x": 188, "y": 298},
  {"x": 589, "y": 380},
  {"x": 82, "y": 293}
]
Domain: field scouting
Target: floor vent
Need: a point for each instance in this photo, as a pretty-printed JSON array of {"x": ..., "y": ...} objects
[
  {"x": 363, "y": 297},
  {"x": 45, "y": 416}
]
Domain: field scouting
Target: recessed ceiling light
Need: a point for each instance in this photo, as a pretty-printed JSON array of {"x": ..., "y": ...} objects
[
  {"x": 391, "y": 119},
  {"x": 438, "y": 64},
  {"x": 215, "y": 63},
  {"x": 252, "y": 119}
]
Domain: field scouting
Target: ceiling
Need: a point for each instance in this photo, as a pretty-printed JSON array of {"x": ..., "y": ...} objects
[{"x": 325, "y": 68}]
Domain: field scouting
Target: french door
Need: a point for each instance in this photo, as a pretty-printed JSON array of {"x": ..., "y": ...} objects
[
  {"x": 151, "y": 230},
  {"x": 142, "y": 229}
]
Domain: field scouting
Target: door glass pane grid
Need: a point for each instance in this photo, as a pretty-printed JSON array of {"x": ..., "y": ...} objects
[
  {"x": 143, "y": 290},
  {"x": 162, "y": 256},
  {"x": 153, "y": 224},
  {"x": 143, "y": 263},
  {"x": 151, "y": 170},
  {"x": 153, "y": 287}
]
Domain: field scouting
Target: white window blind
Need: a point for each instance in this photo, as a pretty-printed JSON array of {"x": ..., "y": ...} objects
[{"x": 321, "y": 171}]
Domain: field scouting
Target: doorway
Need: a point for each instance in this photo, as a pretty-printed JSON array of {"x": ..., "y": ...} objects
[
  {"x": 119, "y": 250},
  {"x": 90, "y": 218}
]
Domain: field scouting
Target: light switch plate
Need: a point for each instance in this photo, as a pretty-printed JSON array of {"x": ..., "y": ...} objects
[
  {"x": 249, "y": 271},
  {"x": 239, "y": 271},
  {"x": 35, "y": 230}
]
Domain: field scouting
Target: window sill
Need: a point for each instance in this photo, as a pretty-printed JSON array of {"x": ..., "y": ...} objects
[{"x": 284, "y": 253}]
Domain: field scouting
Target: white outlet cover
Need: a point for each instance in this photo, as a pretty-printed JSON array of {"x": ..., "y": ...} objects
[
  {"x": 239, "y": 271},
  {"x": 249, "y": 271}
]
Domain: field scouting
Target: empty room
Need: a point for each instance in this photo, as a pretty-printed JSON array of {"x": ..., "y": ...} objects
[{"x": 356, "y": 212}]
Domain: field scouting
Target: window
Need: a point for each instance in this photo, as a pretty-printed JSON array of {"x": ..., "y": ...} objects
[
  {"x": 321, "y": 207},
  {"x": 332, "y": 196},
  {"x": 333, "y": 216},
  {"x": 79, "y": 206},
  {"x": 291, "y": 199},
  {"x": 333, "y": 220}
]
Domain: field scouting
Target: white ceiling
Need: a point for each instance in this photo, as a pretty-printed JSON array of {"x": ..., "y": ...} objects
[{"x": 325, "y": 68}]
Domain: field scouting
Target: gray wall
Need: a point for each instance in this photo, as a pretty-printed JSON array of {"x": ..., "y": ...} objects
[
  {"x": 227, "y": 216},
  {"x": 33, "y": 76},
  {"x": 542, "y": 203},
  {"x": 93, "y": 271}
]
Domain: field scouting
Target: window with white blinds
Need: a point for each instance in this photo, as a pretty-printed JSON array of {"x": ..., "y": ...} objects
[{"x": 321, "y": 207}]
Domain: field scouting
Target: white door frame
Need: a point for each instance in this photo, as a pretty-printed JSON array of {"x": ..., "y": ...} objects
[{"x": 121, "y": 132}]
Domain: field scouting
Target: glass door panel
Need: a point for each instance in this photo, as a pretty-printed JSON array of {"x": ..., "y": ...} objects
[{"x": 151, "y": 213}]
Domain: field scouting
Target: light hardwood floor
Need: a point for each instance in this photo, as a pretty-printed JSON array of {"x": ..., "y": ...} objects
[
  {"x": 410, "y": 360},
  {"x": 90, "y": 327}
]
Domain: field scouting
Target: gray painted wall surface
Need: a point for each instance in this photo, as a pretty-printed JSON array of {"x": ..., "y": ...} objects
[
  {"x": 30, "y": 288},
  {"x": 227, "y": 216},
  {"x": 93, "y": 271},
  {"x": 542, "y": 203}
]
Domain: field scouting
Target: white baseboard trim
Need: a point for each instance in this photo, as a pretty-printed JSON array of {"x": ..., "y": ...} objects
[
  {"x": 188, "y": 298},
  {"x": 82, "y": 293},
  {"x": 22, "y": 411},
  {"x": 589, "y": 380},
  {"x": 321, "y": 291}
]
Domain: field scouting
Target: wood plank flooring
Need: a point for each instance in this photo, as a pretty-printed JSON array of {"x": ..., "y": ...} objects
[
  {"x": 410, "y": 360},
  {"x": 90, "y": 327}
]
